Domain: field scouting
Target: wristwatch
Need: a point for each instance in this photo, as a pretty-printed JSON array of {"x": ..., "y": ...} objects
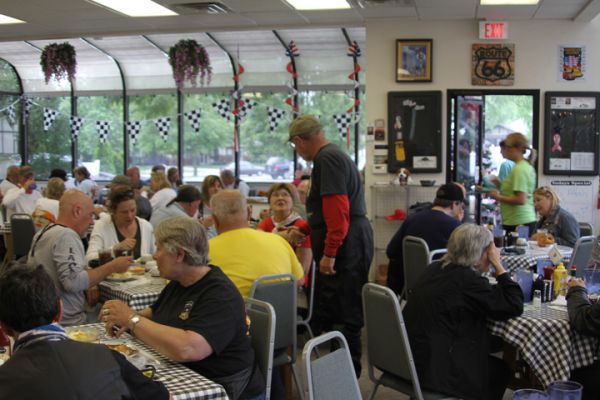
[{"x": 133, "y": 321}]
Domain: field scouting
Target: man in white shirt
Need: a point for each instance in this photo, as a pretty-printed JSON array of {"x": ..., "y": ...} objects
[
  {"x": 22, "y": 198},
  {"x": 231, "y": 182},
  {"x": 11, "y": 180}
]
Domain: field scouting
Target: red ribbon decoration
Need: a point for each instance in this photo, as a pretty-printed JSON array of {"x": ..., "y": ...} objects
[
  {"x": 288, "y": 101},
  {"x": 237, "y": 103}
]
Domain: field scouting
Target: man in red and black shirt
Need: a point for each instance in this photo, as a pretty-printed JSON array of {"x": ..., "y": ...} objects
[{"x": 341, "y": 236}]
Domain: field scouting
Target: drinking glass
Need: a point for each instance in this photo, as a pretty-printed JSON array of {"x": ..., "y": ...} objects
[
  {"x": 565, "y": 390},
  {"x": 105, "y": 256},
  {"x": 530, "y": 394}
]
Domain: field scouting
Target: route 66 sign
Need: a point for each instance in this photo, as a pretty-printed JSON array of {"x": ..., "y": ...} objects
[{"x": 493, "y": 64}]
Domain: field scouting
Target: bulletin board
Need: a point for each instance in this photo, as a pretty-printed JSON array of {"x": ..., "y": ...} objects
[
  {"x": 571, "y": 142},
  {"x": 414, "y": 131}
]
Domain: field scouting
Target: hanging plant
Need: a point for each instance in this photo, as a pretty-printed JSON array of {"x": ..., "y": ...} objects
[
  {"x": 58, "y": 61},
  {"x": 189, "y": 60}
]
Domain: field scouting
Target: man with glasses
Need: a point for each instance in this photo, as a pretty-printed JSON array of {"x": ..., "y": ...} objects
[
  {"x": 434, "y": 225},
  {"x": 58, "y": 247},
  {"x": 341, "y": 235}
]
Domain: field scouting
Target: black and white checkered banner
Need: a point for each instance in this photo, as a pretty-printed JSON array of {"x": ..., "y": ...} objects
[
  {"x": 343, "y": 123},
  {"x": 133, "y": 130},
  {"x": 246, "y": 105},
  {"x": 223, "y": 108},
  {"x": 275, "y": 116},
  {"x": 10, "y": 113},
  {"x": 49, "y": 117},
  {"x": 76, "y": 123},
  {"x": 163, "y": 125},
  {"x": 28, "y": 104},
  {"x": 194, "y": 118},
  {"x": 103, "y": 129}
]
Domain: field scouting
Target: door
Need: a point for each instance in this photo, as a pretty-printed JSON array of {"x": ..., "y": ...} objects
[{"x": 478, "y": 122}]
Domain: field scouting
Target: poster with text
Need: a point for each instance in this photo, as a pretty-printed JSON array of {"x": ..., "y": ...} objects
[{"x": 571, "y": 63}]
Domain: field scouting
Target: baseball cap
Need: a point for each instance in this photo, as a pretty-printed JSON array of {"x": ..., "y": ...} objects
[
  {"x": 26, "y": 170},
  {"x": 398, "y": 215},
  {"x": 120, "y": 180},
  {"x": 304, "y": 125},
  {"x": 450, "y": 191},
  {"x": 58, "y": 173}
]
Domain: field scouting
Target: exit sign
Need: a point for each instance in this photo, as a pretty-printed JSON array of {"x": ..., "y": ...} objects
[{"x": 493, "y": 30}]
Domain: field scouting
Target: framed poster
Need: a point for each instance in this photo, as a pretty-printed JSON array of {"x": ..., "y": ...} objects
[
  {"x": 413, "y": 60},
  {"x": 493, "y": 64},
  {"x": 571, "y": 143},
  {"x": 572, "y": 63},
  {"x": 414, "y": 131}
]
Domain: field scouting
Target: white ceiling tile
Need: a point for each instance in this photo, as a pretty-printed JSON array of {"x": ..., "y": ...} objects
[
  {"x": 446, "y": 3},
  {"x": 446, "y": 13},
  {"x": 399, "y": 12},
  {"x": 506, "y": 13}
]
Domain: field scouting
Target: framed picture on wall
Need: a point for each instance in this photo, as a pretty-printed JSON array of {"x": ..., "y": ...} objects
[{"x": 413, "y": 60}]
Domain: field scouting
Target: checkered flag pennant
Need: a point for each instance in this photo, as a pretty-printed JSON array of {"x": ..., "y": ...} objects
[
  {"x": 275, "y": 116},
  {"x": 223, "y": 108},
  {"x": 10, "y": 113},
  {"x": 49, "y": 117},
  {"x": 103, "y": 129},
  {"x": 163, "y": 125},
  {"x": 28, "y": 104},
  {"x": 133, "y": 129},
  {"x": 343, "y": 123},
  {"x": 76, "y": 123},
  {"x": 194, "y": 118},
  {"x": 245, "y": 106}
]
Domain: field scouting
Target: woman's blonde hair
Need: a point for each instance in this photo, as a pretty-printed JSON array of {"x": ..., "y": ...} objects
[
  {"x": 207, "y": 183},
  {"x": 55, "y": 188},
  {"x": 160, "y": 179},
  {"x": 519, "y": 141},
  {"x": 549, "y": 193}
]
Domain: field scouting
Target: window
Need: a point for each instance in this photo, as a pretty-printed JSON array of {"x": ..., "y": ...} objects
[
  {"x": 9, "y": 133},
  {"x": 103, "y": 160},
  {"x": 51, "y": 149},
  {"x": 150, "y": 148}
]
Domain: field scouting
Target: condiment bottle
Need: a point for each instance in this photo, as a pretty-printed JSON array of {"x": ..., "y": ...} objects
[
  {"x": 559, "y": 278},
  {"x": 573, "y": 271}
]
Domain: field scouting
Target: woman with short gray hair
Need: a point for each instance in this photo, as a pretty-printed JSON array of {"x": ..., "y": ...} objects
[
  {"x": 446, "y": 318},
  {"x": 199, "y": 318}
]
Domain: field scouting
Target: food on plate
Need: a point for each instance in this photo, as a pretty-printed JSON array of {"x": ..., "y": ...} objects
[
  {"x": 137, "y": 270},
  {"x": 83, "y": 335},
  {"x": 119, "y": 275},
  {"x": 544, "y": 239},
  {"x": 122, "y": 348}
]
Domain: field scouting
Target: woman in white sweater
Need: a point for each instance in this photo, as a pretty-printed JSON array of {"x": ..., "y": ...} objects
[
  {"x": 163, "y": 193},
  {"x": 121, "y": 230}
]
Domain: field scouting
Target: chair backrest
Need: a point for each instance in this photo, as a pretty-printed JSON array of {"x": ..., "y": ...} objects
[
  {"x": 22, "y": 230},
  {"x": 311, "y": 293},
  {"x": 280, "y": 291},
  {"x": 383, "y": 320},
  {"x": 262, "y": 335},
  {"x": 331, "y": 376},
  {"x": 586, "y": 229},
  {"x": 581, "y": 254},
  {"x": 415, "y": 256}
]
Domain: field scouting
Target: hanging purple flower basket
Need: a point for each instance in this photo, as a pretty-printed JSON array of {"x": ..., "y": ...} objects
[
  {"x": 189, "y": 60},
  {"x": 58, "y": 61}
]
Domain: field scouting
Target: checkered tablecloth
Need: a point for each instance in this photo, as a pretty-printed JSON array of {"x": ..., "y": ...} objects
[
  {"x": 137, "y": 294},
  {"x": 514, "y": 263},
  {"x": 182, "y": 382},
  {"x": 546, "y": 342}
]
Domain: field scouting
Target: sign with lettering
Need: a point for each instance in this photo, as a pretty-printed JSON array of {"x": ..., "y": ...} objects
[
  {"x": 493, "y": 64},
  {"x": 493, "y": 30}
]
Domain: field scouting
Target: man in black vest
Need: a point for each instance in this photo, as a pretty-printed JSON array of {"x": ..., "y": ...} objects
[{"x": 45, "y": 363}]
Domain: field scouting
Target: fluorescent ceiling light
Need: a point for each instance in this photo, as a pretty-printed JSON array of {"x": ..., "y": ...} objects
[
  {"x": 5, "y": 19},
  {"x": 136, "y": 8},
  {"x": 319, "y": 4},
  {"x": 508, "y": 2}
]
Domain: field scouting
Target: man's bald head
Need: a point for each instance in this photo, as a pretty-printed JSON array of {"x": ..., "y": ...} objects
[
  {"x": 229, "y": 209},
  {"x": 76, "y": 210}
]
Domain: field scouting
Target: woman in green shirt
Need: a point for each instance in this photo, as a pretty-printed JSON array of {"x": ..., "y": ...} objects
[{"x": 516, "y": 192}]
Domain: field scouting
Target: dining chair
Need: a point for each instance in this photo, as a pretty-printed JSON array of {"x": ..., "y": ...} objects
[
  {"x": 279, "y": 290},
  {"x": 262, "y": 335},
  {"x": 330, "y": 376},
  {"x": 415, "y": 257},
  {"x": 22, "y": 231},
  {"x": 393, "y": 358},
  {"x": 581, "y": 254},
  {"x": 305, "y": 322},
  {"x": 586, "y": 229}
]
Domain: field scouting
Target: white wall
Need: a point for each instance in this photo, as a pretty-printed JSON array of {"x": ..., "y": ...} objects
[{"x": 536, "y": 59}]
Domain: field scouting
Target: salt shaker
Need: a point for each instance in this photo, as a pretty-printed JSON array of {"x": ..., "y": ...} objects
[{"x": 537, "y": 298}]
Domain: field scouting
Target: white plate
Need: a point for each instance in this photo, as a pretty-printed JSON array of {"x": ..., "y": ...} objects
[{"x": 120, "y": 277}]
